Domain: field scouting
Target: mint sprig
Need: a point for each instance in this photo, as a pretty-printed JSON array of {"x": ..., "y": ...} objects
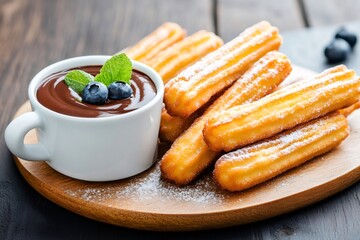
[
  {"x": 117, "y": 68},
  {"x": 78, "y": 79}
]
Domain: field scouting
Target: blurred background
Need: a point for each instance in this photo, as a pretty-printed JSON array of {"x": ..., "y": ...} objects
[
  {"x": 80, "y": 27},
  {"x": 114, "y": 24}
]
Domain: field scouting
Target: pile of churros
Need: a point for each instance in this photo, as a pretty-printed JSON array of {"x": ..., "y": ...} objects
[{"x": 223, "y": 105}]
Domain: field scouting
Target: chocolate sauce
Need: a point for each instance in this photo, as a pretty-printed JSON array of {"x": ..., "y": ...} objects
[{"x": 54, "y": 94}]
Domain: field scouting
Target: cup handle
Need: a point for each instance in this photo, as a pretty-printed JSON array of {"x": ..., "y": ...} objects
[{"x": 15, "y": 134}]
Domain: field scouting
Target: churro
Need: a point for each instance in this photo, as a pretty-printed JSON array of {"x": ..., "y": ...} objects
[
  {"x": 189, "y": 155},
  {"x": 347, "y": 111},
  {"x": 172, "y": 127},
  {"x": 254, "y": 164},
  {"x": 164, "y": 36},
  {"x": 171, "y": 61},
  {"x": 193, "y": 87},
  {"x": 336, "y": 88}
]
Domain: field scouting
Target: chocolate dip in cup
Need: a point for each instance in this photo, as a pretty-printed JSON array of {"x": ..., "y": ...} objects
[{"x": 115, "y": 142}]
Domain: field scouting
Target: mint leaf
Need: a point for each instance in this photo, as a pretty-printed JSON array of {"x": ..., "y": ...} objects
[
  {"x": 117, "y": 68},
  {"x": 77, "y": 80}
]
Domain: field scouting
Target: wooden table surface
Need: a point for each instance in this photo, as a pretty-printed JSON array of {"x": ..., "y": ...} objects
[{"x": 35, "y": 33}]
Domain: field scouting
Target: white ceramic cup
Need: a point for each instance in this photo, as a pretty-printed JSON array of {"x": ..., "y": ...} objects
[{"x": 92, "y": 149}]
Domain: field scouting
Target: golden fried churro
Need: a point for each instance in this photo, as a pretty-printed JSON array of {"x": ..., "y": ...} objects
[
  {"x": 171, "y": 61},
  {"x": 347, "y": 111},
  {"x": 172, "y": 127},
  {"x": 168, "y": 63},
  {"x": 163, "y": 37},
  {"x": 193, "y": 87},
  {"x": 306, "y": 75},
  {"x": 189, "y": 155},
  {"x": 254, "y": 164},
  {"x": 336, "y": 88}
]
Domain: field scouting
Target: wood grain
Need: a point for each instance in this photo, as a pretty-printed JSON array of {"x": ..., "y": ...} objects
[
  {"x": 234, "y": 16},
  {"x": 330, "y": 12},
  {"x": 146, "y": 202}
]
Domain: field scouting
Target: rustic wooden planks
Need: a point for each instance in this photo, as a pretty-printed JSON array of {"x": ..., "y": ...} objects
[
  {"x": 330, "y": 12},
  {"x": 234, "y": 16}
]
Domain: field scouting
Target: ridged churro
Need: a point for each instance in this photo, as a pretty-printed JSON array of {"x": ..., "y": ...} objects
[
  {"x": 163, "y": 37},
  {"x": 172, "y": 127},
  {"x": 193, "y": 87},
  {"x": 189, "y": 155},
  {"x": 334, "y": 89},
  {"x": 254, "y": 164},
  {"x": 171, "y": 61},
  {"x": 347, "y": 111}
]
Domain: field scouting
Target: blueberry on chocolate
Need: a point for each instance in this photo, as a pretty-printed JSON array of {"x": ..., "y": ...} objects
[
  {"x": 119, "y": 90},
  {"x": 95, "y": 93},
  {"x": 337, "y": 51},
  {"x": 95, "y": 90}
]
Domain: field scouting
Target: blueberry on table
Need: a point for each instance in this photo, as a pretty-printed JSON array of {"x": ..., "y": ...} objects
[
  {"x": 95, "y": 93},
  {"x": 337, "y": 51},
  {"x": 350, "y": 37},
  {"x": 119, "y": 90}
]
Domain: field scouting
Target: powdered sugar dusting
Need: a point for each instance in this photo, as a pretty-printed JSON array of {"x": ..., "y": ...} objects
[
  {"x": 225, "y": 54},
  {"x": 151, "y": 186},
  {"x": 204, "y": 191},
  {"x": 287, "y": 142}
]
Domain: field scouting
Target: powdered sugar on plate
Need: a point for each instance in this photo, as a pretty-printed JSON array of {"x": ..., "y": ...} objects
[
  {"x": 203, "y": 191},
  {"x": 150, "y": 186}
]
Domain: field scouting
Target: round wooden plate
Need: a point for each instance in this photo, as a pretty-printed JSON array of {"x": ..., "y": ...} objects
[{"x": 147, "y": 202}]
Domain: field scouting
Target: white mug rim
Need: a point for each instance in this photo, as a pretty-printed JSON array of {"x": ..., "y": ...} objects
[{"x": 88, "y": 61}]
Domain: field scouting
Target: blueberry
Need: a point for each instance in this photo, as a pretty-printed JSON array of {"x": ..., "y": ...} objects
[
  {"x": 337, "y": 51},
  {"x": 95, "y": 93},
  {"x": 119, "y": 90},
  {"x": 350, "y": 37}
]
